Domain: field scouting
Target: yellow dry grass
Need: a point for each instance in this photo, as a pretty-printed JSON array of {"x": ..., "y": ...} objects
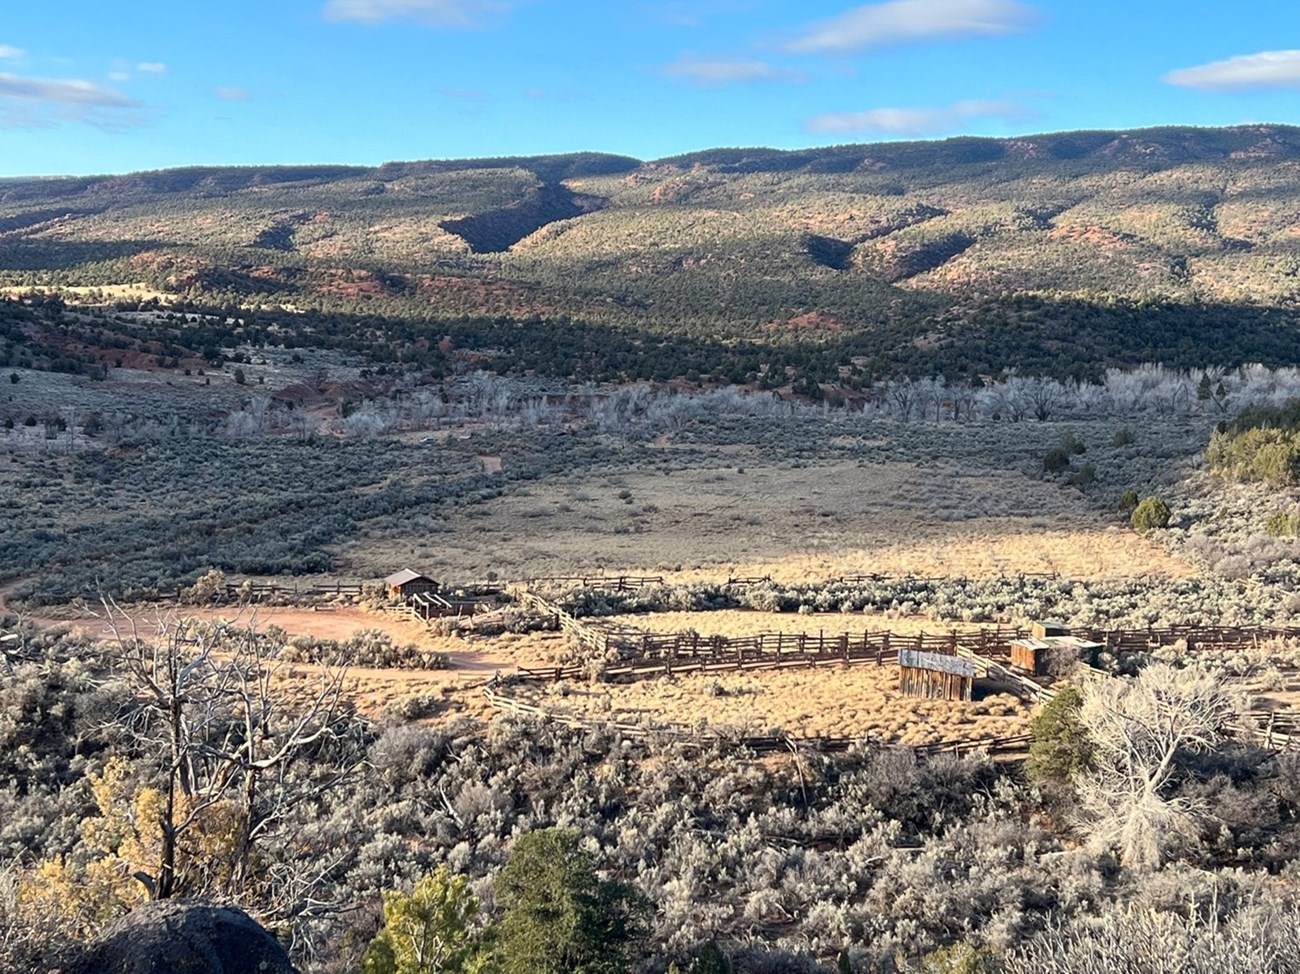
[
  {"x": 794, "y": 524},
  {"x": 844, "y": 701},
  {"x": 111, "y": 292},
  {"x": 745, "y": 622}
]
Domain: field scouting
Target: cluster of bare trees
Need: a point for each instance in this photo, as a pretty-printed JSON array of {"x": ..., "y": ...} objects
[
  {"x": 224, "y": 724},
  {"x": 501, "y": 403},
  {"x": 1122, "y": 392}
]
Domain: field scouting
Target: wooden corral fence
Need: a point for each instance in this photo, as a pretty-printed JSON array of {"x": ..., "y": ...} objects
[
  {"x": 258, "y": 591},
  {"x": 1195, "y": 637},
  {"x": 1276, "y": 730},
  {"x": 613, "y": 583},
  {"x": 589, "y": 636},
  {"x": 693, "y": 653},
  {"x": 440, "y": 605},
  {"x": 772, "y": 651},
  {"x": 625, "y": 583},
  {"x": 642, "y": 653},
  {"x": 759, "y": 745},
  {"x": 864, "y": 578},
  {"x": 880, "y": 645}
]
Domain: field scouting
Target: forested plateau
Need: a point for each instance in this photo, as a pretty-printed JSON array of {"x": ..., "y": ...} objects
[{"x": 1057, "y": 254}]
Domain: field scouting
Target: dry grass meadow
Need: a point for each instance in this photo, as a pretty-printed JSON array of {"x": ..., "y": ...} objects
[
  {"x": 706, "y": 511},
  {"x": 843, "y": 701},
  {"x": 793, "y": 523}
]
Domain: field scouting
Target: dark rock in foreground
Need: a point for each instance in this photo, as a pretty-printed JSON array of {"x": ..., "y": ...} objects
[{"x": 179, "y": 937}]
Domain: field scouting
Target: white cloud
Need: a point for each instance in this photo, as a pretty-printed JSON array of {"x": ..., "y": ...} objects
[
  {"x": 9, "y": 51},
  {"x": 151, "y": 67},
  {"x": 119, "y": 76},
  {"x": 910, "y": 21},
  {"x": 434, "y": 13},
  {"x": 1268, "y": 69},
  {"x": 52, "y": 92},
  {"x": 723, "y": 71},
  {"x": 45, "y": 102},
  {"x": 915, "y": 121},
  {"x": 232, "y": 93}
]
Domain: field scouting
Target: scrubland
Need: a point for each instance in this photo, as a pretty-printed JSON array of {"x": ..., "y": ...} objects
[{"x": 873, "y": 860}]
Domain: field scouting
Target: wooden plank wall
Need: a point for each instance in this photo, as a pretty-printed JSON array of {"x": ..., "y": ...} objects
[{"x": 933, "y": 685}]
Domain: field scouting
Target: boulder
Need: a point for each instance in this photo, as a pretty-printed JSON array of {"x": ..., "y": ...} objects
[{"x": 183, "y": 937}]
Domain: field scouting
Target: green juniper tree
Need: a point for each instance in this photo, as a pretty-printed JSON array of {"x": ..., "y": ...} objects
[{"x": 561, "y": 918}]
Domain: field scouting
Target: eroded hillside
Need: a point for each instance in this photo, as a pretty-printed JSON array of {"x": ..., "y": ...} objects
[{"x": 910, "y": 247}]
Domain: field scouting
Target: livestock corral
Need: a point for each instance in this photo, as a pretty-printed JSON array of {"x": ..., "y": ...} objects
[
  {"x": 757, "y": 681},
  {"x": 784, "y": 687}
]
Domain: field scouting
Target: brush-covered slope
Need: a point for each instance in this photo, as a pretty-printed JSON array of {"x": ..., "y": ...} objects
[{"x": 925, "y": 246}]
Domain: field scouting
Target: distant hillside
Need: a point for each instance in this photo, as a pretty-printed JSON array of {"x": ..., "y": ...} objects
[{"x": 961, "y": 255}]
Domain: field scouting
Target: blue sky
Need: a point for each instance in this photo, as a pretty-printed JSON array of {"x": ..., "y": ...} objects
[{"x": 94, "y": 86}]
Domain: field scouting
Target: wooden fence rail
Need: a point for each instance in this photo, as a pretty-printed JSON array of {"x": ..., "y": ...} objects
[
  {"x": 759, "y": 745},
  {"x": 589, "y": 636},
  {"x": 616, "y": 583},
  {"x": 260, "y": 590}
]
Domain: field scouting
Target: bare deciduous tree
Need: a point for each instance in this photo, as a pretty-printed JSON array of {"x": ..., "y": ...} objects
[
  {"x": 903, "y": 395},
  {"x": 1138, "y": 727},
  {"x": 213, "y": 704}
]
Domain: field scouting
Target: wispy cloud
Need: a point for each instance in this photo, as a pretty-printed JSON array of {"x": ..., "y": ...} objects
[
  {"x": 1268, "y": 69},
  {"x": 916, "y": 121},
  {"x": 912, "y": 21},
  {"x": 232, "y": 93},
  {"x": 725, "y": 71},
  {"x": 52, "y": 92},
  {"x": 9, "y": 51},
  {"x": 464, "y": 14},
  {"x": 152, "y": 67},
  {"x": 27, "y": 102}
]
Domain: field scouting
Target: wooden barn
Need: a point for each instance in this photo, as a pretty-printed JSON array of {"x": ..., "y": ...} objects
[
  {"x": 935, "y": 676},
  {"x": 1051, "y": 650},
  {"x": 406, "y": 583}
]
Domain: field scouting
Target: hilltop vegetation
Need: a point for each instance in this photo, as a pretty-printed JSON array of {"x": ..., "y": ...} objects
[{"x": 1060, "y": 253}]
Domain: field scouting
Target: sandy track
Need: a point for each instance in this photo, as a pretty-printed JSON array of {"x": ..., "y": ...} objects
[{"x": 372, "y": 690}]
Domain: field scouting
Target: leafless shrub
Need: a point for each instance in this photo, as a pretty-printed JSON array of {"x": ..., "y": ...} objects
[
  {"x": 1255, "y": 940},
  {"x": 1138, "y": 727}
]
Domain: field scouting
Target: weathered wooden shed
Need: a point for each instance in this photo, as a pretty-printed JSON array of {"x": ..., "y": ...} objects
[
  {"x": 1039, "y": 655},
  {"x": 935, "y": 676},
  {"x": 404, "y": 584}
]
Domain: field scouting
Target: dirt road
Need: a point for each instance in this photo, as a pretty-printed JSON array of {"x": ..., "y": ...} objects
[{"x": 472, "y": 661}]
